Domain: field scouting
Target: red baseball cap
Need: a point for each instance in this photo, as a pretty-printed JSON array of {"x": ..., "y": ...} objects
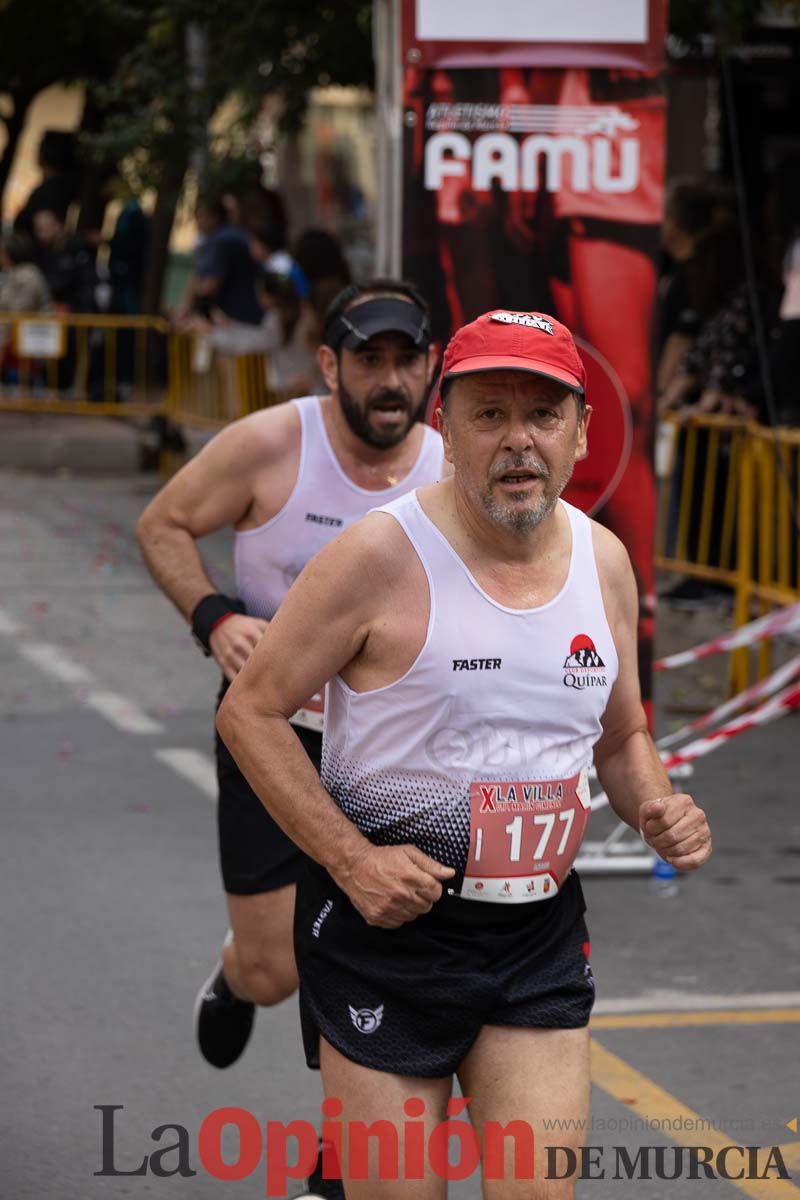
[{"x": 515, "y": 341}]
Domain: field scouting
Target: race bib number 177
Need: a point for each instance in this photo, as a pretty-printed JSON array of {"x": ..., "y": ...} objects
[{"x": 524, "y": 838}]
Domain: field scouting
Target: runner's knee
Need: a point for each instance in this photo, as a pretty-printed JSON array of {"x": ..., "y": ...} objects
[{"x": 267, "y": 979}]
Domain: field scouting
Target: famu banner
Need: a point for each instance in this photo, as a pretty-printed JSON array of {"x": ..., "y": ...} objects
[{"x": 538, "y": 188}]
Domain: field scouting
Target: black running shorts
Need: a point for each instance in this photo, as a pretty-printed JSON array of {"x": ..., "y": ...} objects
[
  {"x": 411, "y": 1001},
  {"x": 255, "y": 854}
]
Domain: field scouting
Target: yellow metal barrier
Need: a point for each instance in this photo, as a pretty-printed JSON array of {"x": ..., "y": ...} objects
[
  {"x": 769, "y": 545},
  {"x": 727, "y": 515},
  {"x": 208, "y": 389},
  {"x": 699, "y": 499},
  {"x": 92, "y": 364},
  {"x": 125, "y": 366},
  {"x": 106, "y": 365}
]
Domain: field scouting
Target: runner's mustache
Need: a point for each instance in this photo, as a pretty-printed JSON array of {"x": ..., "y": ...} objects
[
  {"x": 390, "y": 396},
  {"x": 520, "y": 462}
]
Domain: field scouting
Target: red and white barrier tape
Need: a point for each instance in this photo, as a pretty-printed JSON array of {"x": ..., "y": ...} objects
[
  {"x": 785, "y": 620},
  {"x": 765, "y": 687},
  {"x": 776, "y": 707}
]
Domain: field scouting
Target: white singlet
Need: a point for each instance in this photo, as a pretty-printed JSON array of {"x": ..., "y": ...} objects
[
  {"x": 496, "y": 697},
  {"x": 323, "y": 502}
]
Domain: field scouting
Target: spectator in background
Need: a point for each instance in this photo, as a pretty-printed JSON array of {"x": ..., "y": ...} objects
[
  {"x": 292, "y": 368},
  {"x": 251, "y": 205},
  {"x": 288, "y": 336},
  {"x": 59, "y": 184},
  {"x": 67, "y": 262},
  {"x": 268, "y": 248},
  {"x": 23, "y": 287},
  {"x": 320, "y": 258},
  {"x": 225, "y": 275},
  {"x": 127, "y": 257},
  {"x": 719, "y": 371},
  {"x": 688, "y": 215},
  {"x": 783, "y": 222}
]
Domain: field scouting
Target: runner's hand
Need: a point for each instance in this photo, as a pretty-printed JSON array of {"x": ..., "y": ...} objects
[
  {"x": 677, "y": 830},
  {"x": 390, "y": 885},
  {"x": 234, "y": 640}
]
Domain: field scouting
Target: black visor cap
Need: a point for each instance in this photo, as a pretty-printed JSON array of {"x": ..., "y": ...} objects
[{"x": 384, "y": 314}]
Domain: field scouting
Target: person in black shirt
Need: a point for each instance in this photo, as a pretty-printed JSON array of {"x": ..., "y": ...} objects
[
  {"x": 67, "y": 262},
  {"x": 688, "y": 214}
]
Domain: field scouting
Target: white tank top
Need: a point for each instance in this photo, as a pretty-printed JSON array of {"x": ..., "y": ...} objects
[
  {"x": 323, "y": 502},
  {"x": 495, "y": 693}
]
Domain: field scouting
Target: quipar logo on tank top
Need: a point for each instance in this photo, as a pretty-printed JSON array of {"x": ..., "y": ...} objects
[{"x": 583, "y": 666}]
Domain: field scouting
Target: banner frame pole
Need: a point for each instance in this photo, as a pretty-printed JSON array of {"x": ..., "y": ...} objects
[{"x": 389, "y": 110}]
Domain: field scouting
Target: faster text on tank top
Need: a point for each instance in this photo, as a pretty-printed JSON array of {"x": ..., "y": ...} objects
[
  {"x": 478, "y": 755},
  {"x": 323, "y": 502}
]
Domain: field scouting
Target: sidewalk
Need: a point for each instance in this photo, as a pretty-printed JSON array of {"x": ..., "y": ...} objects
[
  {"x": 48, "y": 442},
  {"x": 84, "y": 445}
]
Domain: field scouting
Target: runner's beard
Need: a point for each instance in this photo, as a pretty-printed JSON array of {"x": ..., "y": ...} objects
[
  {"x": 519, "y": 514},
  {"x": 357, "y": 417}
]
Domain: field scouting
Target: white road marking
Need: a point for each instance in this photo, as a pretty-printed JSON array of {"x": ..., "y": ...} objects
[
  {"x": 121, "y": 712},
  {"x": 124, "y": 714},
  {"x": 8, "y": 625},
  {"x": 673, "y": 1001},
  {"x": 194, "y": 766},
  {"x": 55, "y": 662}
]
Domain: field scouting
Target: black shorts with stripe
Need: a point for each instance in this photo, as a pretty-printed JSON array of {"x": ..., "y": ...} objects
[
  {"x": 412, "y": 1000},
  {"x": 255, "y": 854}
]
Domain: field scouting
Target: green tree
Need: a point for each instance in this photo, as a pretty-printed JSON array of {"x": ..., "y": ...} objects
[
  {"x": 130, "y": 56},
  {"x": 42, "y": 44},
  {"x": 255, "y": 46}
]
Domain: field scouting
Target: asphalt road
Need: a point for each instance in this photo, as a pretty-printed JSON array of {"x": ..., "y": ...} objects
[{"x": 112, "y": 913}]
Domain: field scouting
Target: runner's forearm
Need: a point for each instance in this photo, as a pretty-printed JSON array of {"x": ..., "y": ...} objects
[
  {"x": 631, "y": 774},
  {"x": 272, "y": 759},
  {"x": 172, "y": 558}
]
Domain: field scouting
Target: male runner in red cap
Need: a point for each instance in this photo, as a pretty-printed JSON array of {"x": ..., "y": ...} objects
[{"x": 480, "y": 639}]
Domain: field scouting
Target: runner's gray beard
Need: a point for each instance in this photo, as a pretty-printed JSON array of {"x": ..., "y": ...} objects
[
  {"x": 358, "y": 418},
  {"x": 510, "y": 513}
]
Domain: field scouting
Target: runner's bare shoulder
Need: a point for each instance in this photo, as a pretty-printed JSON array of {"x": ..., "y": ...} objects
[
  {"x": 613, "y": 568},
  {"x": 216, "y": 487},
  {"x": 258, "y": 439},
  {"x": 391, "y": 551},
  {"x": 372, "y": 563},
  {"x": 609, "y": 551}
]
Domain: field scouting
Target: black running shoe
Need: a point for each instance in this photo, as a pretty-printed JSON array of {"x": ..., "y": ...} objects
[
  {"x": 223, "y": 1023},
  {"x": 322, "y": 1189}
]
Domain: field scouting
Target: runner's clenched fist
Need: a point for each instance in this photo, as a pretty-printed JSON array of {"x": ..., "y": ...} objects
[{"x": 677, "y": 830}]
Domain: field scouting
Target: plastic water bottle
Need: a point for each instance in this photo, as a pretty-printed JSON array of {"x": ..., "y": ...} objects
[{"x": 664, "y": 881}]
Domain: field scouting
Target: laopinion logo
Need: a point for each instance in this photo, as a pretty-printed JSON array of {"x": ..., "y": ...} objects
[{"x": 451, "y": 1150}]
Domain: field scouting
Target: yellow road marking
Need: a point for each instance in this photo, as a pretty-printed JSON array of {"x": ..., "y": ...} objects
[
  {"x": 673, "y": 1020},
  {"x": 652, "y": 1103}
]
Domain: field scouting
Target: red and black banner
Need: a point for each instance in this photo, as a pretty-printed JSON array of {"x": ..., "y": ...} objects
[{"x": 541, "y": 188}]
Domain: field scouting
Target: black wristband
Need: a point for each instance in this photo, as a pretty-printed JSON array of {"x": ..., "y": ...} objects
[{"x": 208, "y": 612}]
